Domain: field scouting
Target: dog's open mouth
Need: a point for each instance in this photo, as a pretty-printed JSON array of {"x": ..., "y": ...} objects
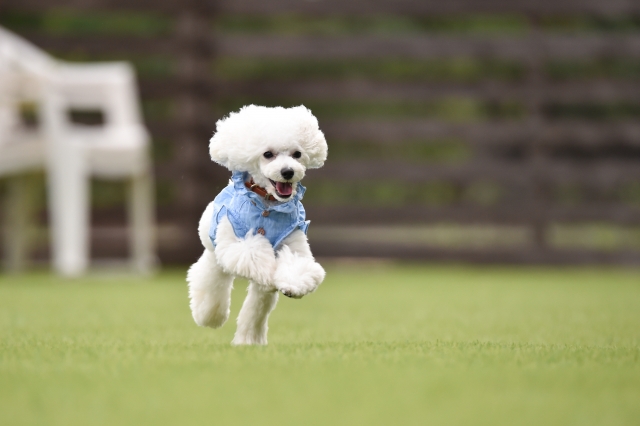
[{"x": 284, "y": 189}]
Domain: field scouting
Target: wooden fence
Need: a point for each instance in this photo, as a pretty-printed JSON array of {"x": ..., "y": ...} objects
[{"x": 563, "y": 148}]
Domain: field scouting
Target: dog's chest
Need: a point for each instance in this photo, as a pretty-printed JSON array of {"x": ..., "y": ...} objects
[
  {"x": 248, "y": 214},
  {"x": 269, "y": 221}
]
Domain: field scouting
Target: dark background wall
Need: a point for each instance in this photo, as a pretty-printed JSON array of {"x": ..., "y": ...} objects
[{"x": 488, "y": 131}]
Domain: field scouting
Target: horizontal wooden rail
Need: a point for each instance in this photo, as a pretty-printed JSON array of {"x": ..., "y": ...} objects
[
  {"x": 111, "y": 45},
  {"x": 413, "y": 8},
  {"x": 167, "y": 7},
  {"x": 487, "y": 132},
  {"x": 501, "y": 214},
  {"x": 559, "y": 46},
  {"x": 601, "y": 174},
  {"x": 590, "y": 91},
  {"x": 402, "y": 171},
  {"x": 382, "y": 91},
  {"x": 556, "y": 46},
  {"x": 353, "y": 7},
  {"x": 391, "y": 131},
  {"x": 526, "y": 255}
]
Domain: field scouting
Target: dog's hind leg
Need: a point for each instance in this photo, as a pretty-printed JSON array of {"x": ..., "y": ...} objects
[
  {"x": 254, "y": 315},
  {"x": 209, "y": 290},
  {"x": 209, "y": 286}
]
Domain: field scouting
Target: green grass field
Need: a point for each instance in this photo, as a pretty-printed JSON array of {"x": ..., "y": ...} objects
[{"x": 378, "y": 344}]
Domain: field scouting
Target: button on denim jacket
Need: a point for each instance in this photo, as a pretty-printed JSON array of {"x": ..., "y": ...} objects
[{"x": 245, "y": 210}]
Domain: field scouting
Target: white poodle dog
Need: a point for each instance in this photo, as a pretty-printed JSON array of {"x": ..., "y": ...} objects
[{"x": 256, "y": 228}]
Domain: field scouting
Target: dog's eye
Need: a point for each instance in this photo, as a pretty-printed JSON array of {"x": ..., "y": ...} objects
[
  {"x": 268, "y": 154},
  {"x": 297, "y": 154}
]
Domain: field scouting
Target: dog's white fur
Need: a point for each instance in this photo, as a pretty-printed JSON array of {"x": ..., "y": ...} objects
[{"x": 239, "y": 144}]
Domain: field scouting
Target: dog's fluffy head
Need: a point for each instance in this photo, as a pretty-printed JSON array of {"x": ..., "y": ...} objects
[{"x": 275, "y": 145}]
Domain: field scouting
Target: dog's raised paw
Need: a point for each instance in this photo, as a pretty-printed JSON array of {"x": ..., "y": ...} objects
[
  {"x": 291, "y": 293},
  {"x": 296, "y": 275}
]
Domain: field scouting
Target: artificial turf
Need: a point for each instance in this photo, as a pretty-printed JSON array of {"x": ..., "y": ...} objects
[{"x": 378, "y": 344}]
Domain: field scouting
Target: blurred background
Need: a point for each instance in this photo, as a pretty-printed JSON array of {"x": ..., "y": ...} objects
[{"x": 498, "y": 131}]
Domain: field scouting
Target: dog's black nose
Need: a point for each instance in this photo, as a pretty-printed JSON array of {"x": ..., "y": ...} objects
[{"x": 287, "y": 173}]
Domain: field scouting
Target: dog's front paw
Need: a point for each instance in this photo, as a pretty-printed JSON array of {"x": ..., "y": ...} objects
[
  {"x": 252, "y": 257},
  {"x": 297, "y": 276}
]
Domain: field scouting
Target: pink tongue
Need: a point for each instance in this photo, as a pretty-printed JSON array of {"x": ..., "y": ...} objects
[{"x": 284, "y": 188}]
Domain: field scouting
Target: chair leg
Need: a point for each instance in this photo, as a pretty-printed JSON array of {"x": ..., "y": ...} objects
[
  {"x": 17, "y": 215},
  {"x": 141, "y": 210},
  {"x": 69, "y": 207}
]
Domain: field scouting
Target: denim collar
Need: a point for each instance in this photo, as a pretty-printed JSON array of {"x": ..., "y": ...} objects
[{"x": 239, "y": 178}]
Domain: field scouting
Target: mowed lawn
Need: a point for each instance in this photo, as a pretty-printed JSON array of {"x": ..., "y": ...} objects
[{"x": 378, "y": 344}]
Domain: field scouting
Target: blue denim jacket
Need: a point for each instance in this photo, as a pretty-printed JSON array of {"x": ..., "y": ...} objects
[{"x": 247, "y": 211}]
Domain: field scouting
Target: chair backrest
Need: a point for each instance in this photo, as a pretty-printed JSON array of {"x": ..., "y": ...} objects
[
  {"x": 32, "y": 65},
  {"x": 24, "y": 72},
  {"x": 109, "y": 88},
  {"x": 26, "y": 55}
]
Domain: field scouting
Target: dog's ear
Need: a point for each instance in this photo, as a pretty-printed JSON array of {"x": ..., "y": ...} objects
[
  {"x": 313, "y": 141},
  {"x": 217, "y": 149},
  {"x": 317, "y": 151},
  {"x": 225, "y": 146}
]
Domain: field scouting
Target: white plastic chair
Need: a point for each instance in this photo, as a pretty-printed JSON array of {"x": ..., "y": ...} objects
[{"x": 73, "y": 153}]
